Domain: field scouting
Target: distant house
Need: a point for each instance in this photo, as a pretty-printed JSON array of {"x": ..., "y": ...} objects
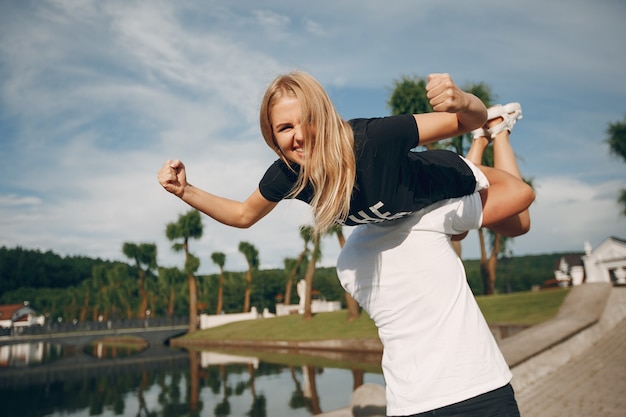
[
  {"x": 569, "y": 270},
  {"x": 18, "y": 315},
  {"x": 605, "y": 263}
]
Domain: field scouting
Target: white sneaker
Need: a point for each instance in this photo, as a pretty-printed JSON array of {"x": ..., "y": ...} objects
[
  {"x": 510, "y": 114},
  {"x": 481, "y": 132}
]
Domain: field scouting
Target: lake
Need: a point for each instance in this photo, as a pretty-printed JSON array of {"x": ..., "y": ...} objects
[{"x": 181, "y": 383}]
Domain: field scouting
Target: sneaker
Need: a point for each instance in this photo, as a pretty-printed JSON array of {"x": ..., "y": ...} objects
[
  {"x": 510, "y": 114},
  {"x": 481, "y": 132}
]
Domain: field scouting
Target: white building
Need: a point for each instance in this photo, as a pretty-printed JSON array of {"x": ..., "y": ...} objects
[
  {"x": 18, "y": 315},
  {"x": 605, "y": 263}
]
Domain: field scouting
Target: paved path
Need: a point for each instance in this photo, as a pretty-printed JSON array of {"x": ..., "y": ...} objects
[{"x": 591, "y": 384}]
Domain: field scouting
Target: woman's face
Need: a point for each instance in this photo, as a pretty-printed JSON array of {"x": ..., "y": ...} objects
[{"x": 288, "y": 129}]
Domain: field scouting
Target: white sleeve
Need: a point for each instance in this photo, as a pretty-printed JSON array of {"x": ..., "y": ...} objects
[
  {"x": 452, "y": 217},
  {"x": 469, "y": 214},
  {"x": 481, "y": 181}
]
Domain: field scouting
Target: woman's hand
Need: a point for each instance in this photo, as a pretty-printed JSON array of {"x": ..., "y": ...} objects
[
  {"x": 444, "y": 95},
  {"x": 173, "y": 178}
]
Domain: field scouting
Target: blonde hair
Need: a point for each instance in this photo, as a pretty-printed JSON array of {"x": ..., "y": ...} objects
[{"x": 329, "y": 147}]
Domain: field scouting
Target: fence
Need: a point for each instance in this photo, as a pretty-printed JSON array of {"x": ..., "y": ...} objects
[{"x": 85, "y": 326}]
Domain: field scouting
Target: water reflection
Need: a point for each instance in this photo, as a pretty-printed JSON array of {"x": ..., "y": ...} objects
[
  {"x": 207, "y": 383},
  {"x": 28, "y": 354},
  {"x": 116, "y": 347}
]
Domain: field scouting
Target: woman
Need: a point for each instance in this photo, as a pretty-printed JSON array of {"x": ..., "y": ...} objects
[{"x": 355, "y": 172}]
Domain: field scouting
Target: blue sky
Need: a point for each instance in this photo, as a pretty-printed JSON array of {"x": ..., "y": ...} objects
[{"x": 96, "y": 95}]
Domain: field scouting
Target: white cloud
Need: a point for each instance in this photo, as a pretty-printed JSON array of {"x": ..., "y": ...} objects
[{"x": 14, "y": 200}]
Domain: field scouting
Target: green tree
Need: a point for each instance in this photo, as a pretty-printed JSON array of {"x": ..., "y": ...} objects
[
  {"x": 86, "y": 291},
  {"x": 306, "y": 233},
  {"x": 351, "y": 304},
  {"x": 316, "y": 255},
  {"x": 119, "y": 291},
  {"x": 169, "y": 279},
  {"x": 188, "y": 226},
  {"x": 409, "y": 96},
  {"x": 252, "y": 258},
  {"x": 617, "y": 146},
  {"x": 219, "y": 259},
  {"x": 101, "y": 303},
  {"x": 144, "y": 254}
]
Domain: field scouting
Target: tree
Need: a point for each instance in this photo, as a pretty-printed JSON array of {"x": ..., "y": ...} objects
[
  {"x": 142, "y": 254},
  {"x": 219, "y": 258},
  {"x": 188, "y": 226},
  {"x": 351, "y": 304},
  {"x": 409, "y": 96},
  {"x": 252, "y": 258},
  {"x": 316, "y": 254},
  {"x": 118, "y": 289},
  {"x": 617, "y": 146},
  {"x": 168, "y": 283},
  {"x": 291, "y": 270},
  {"x": 306, "y": 233},
  {"x": 99, "y": 288}
]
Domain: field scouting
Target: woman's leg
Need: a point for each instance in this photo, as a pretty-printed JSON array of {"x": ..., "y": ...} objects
[{"x": 497, "y": 131}]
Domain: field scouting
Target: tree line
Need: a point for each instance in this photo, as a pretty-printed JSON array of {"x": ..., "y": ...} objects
[{"x": 76, "y": 287}]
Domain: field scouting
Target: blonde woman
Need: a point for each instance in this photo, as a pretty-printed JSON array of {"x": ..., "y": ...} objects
[{"x": 352, "y": 172}]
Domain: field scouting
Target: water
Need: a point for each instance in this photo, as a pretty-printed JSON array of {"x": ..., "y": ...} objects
[{"x": 204, "y": 383}]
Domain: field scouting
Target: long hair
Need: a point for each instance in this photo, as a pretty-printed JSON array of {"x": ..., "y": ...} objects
[{"x": 330, "y": 165}]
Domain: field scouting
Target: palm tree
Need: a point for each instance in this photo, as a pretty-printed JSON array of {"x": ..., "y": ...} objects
[
  {"x": 86, "y": 290},
  {"x": 188, "y": 226},
  {"x": 219, "y": 258},
  {"x": 252, "y": 258},
  {"x": 306, "y": 233},
  {"x": 118, "y": 291},
  {"x": 316, "y": 254},
  {"x": 168, "y": 280},
  {"x": 99, "y": 291},
  {"x": 142, "y": 254},
  {"x": 351, "y": 304},
  {"x": 291, "y": 270}
]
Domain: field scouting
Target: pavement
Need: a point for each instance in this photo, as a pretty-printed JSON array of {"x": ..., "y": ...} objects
[
  {"x": 591, "y": 384},
  {"x": 571, "y": 366},
  {"x": 584, "y": 375}
]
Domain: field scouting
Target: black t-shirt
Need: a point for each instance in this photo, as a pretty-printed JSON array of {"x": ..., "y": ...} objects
[{"x": 391, "y": 181}]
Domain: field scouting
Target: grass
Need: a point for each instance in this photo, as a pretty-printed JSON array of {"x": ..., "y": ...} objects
[
  {"x": 527, "y": 308},
  {"x": 122, "y": 341},
  {"x": 322, "y": 326}
]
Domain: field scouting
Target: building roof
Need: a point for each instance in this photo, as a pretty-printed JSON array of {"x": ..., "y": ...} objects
[
  {"x": 572, "y": 259},
  {"x": 14, "y": 312}
]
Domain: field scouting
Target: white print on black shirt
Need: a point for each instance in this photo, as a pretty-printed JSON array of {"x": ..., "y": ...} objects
[{"x": 379, "y": 217}]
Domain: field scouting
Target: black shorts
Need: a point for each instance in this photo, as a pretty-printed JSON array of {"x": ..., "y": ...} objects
[{"x": 497, "y": 403}]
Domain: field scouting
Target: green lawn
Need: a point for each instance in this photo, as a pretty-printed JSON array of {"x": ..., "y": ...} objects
[
  {"x": 519, "y": 308},
  {"x": 527, "y": 308}
]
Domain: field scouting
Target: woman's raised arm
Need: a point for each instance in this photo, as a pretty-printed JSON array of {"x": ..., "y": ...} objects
[
  {"x": 455, "y": 111},
  {"x": 173, "y": 177}
]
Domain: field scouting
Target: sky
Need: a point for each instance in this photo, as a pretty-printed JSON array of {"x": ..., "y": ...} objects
[{"x": 96, "y": 95}]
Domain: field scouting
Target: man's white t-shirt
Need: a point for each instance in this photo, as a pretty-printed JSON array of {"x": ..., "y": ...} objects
[{"x": 438, "y": 349}]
